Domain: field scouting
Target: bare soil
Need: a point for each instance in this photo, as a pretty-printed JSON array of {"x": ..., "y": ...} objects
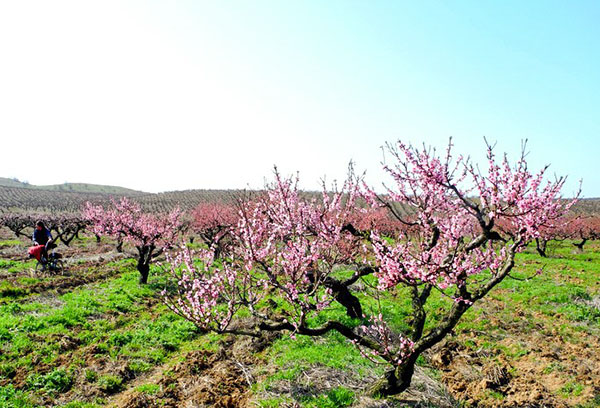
[{"x": 484, "y": 377}]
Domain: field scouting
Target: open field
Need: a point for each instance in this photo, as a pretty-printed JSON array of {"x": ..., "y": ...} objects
[{"x": 95, "y": 337}]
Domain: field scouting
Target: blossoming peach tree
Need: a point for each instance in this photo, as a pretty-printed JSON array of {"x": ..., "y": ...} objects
[
  {"x": 149, "y": 233},
  {"x": 213, "y": 222},
  {"x": 285, "y": 269}
]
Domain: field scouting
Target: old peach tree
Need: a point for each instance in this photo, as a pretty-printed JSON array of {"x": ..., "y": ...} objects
[{"x": 284, "y": 268}]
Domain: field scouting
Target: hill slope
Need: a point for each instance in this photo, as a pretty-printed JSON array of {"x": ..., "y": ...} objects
[{"x": 71, "y": 187}]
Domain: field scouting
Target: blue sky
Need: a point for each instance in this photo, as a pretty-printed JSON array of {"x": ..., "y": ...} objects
[{"x": 162, "y": 95}]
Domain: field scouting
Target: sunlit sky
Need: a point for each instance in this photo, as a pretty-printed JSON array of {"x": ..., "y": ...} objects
[{"x": 161, "y": 96}]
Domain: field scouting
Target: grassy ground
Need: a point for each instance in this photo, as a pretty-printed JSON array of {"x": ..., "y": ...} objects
[{"x": 96, "y": 338}]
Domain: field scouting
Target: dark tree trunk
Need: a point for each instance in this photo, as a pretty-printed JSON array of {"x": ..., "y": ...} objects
[
  {"x": 580, "y": 245},
  {"x": 144, "y": 270},
  {"x": 540, "y": 246},
  {"x": 119, "y": 245},
  {"x": 343, "y": 296},
  {"x": 217, "y": 251},
  {"x": 143, "y": 265},
  {"x": 97, "y": 238},
  {"x": 397, "y": 380}
]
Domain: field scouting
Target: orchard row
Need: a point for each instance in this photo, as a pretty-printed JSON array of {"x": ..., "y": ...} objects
[{"x": 290, "y": 260}]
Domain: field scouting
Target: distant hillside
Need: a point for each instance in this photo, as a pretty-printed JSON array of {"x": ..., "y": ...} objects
[
  {"x": 6, "y": 182},
  {"x": 60, "y": 200},
  {"x": 72, "y": 187},
  {"x": 15, "y": 194}
]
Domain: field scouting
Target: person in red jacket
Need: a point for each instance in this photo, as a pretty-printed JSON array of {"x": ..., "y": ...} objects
[{"x": 42, "y": 236}]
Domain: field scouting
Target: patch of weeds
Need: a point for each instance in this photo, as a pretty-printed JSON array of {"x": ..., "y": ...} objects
[
  {"x": 10, "y": 397},
  {"x": 91, "y": 376},
  {"x": 9, "y": 243},
  {"x": 139, "y": 366},
  {"x": 7, "y": 371},
  {"x": 17, "y": 267},
  {"x": 8, "y": 290},
  {"x": 273, "y": 402},
  {"x": 331, "y": 351},
  {"x": 571, "y": 389},
  {"x": 110, "y": 383},
  {"x": 553, "y": 366},
  {"x": 119, "y": 339},
  {"x": 289, "y": 374},
  {"x": 153, "y": 338},
  {"x": 26, "y": 280},
  {"x": 6, "y": 263},
  {"x": 55, "y": 381},
  {"x": 148, "y": 389},
  {"x": 80, "y": 404},
  {"x": 335, "y": 398},
  {"x": 496, "y": 395},
  {"x": 195, "y": 245}
]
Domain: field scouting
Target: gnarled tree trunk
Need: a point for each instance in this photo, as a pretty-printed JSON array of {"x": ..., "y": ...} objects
[
  {"x": 143, "y": 266},
  {"x": 579, "y": 245},
  {"x": 540, "y": 246}
]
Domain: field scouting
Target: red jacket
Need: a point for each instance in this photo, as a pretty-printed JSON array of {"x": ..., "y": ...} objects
[{"x": 36, "y": 251}]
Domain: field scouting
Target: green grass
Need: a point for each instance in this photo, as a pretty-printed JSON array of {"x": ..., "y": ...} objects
[
  {"x": 56, "y": 381},
  {"x": 81, "y": 404},
  {"x": 148, "y": 389},
  {"x": 571, "y": 389},
  {"x": 8, "y": 290},
  {"x": 335, "y": 398},
  {"x": 10, "y": 397},
  {"x": 17, "y": 266},
  {"x": 113, "y": 314},
  {"x": 124, "y": 322},
  {"x": 110, "y": 383},
  {"x": 9, "y": 243}
]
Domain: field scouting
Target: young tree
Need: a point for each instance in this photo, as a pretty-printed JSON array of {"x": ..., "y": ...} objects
[
  {"x": 288, "y": 247},
  {"x": 149, "y": 233}
]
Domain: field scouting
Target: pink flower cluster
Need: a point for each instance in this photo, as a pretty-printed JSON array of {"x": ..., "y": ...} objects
[
  {"x": 211, "y": 216},
  {"x": 125, "y": 219},
  {"x": 295, "y": 242},
  {"x": 209, "y": 294},
  {"x": 453, "y": 209}
]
